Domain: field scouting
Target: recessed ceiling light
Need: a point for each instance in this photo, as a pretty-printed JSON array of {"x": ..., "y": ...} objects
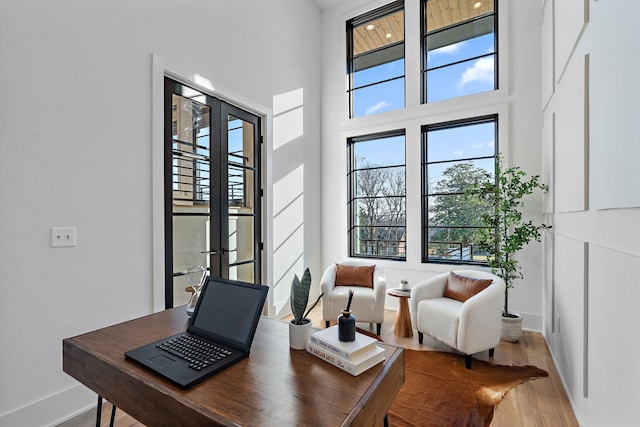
[
  {"x": 370, "y": 27},
  {"x": 389, "y": 35},
  {"x": 477, "y": 5}
]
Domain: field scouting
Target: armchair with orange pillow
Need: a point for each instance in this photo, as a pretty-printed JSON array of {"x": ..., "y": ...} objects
[
  {"x": 462, "y": 309},
  {"x": 369, "y": 285}
]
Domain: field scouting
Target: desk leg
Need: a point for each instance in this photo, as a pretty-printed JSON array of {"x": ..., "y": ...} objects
[
  {"x": 113, "y": 415},
  {"x": 99, "y": 413}
]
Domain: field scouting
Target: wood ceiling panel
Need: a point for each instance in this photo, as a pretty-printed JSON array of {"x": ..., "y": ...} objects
[
  {"x": 365, "y": 39},
  {"x": 443, "y": 13},
  {"x": 439, "y": 14}
]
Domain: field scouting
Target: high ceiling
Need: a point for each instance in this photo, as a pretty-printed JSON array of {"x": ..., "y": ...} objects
[{"x": 442, "y": 13}]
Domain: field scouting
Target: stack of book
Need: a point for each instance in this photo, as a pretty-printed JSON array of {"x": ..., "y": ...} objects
[{"x": 353, "y": 357}]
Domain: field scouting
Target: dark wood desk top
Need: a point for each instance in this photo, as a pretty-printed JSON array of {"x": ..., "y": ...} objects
[{"x": 274, "y": 386}]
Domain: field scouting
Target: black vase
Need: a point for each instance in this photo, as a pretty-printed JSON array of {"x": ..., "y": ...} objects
[{"x": 346, "y": 326}]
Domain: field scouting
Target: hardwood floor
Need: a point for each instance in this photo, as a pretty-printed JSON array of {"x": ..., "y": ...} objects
[{"x": 540, "y": 403}]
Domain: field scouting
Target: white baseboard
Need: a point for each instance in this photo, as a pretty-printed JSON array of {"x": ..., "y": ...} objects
[{"x": 52, "y": 410}]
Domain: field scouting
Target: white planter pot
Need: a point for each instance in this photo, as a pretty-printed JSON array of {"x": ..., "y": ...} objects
[
  {"x": 511, "y": 330},
  {"x": 299, "y": 334}
]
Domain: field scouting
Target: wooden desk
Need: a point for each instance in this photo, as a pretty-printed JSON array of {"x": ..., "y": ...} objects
[{"x": 274, "y": 386}]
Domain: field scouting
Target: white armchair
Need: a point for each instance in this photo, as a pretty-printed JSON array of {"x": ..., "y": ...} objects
[
  {"x": 471, "y": 326},
  {"x": 368, "y": 302}
]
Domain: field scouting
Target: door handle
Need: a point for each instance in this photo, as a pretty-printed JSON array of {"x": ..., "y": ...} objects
[{"x": 214, "y": 252}]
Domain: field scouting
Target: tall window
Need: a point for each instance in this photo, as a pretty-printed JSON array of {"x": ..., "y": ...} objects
[
  {"x": 456, "y": 156},
  {"x": 375, "y": 61},
  {"x": 459, "y": 46},
  {"x": 377, "y": 192}
]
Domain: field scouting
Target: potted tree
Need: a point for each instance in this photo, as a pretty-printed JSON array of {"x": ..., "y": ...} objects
[
  {"x": 300, "y": 325},
  {"x": 507, "y": 232}
]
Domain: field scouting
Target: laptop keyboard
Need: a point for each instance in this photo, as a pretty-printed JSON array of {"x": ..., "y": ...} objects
[{"x": 198, "y": 353}]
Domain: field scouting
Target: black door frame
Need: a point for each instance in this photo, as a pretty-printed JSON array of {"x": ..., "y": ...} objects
[{"x": 218, "y": 208}]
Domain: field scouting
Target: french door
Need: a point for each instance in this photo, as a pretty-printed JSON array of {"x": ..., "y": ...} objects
[{"x": 212, "y": 191}]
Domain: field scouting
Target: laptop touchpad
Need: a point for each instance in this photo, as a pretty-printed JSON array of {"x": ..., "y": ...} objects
[{"x": 161, "y": 360}]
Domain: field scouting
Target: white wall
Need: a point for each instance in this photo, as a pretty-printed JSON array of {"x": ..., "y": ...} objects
[
  {"x": 76, "y": 150},
  {"x": 519, "y": 135},
  {"x": 591, "y": 152}
]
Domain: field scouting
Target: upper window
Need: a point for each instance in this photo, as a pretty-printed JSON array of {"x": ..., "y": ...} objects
[
  {"x": 456, "y": 157},
  {"x": 375, "y": 61},
  {"x": 459, "y": 46},
  {"x": 377, "y": 190}
]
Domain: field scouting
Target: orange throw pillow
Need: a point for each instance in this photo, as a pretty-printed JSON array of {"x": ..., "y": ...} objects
[
  {"x": 462, "y": 288},
  {"x": 355, "y": 275}
]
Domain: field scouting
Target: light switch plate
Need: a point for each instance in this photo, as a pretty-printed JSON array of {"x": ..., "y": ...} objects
[{"x": 63, "y": 237}]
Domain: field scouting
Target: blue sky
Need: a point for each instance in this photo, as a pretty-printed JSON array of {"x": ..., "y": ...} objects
[
  {"x": 473, "y": 76},
  {"x": 464, "y": 78}
]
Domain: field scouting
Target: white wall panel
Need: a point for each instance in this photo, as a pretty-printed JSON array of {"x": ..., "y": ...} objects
[
  {"x": 603, "y": 381},
  {"x": 614, "y": 338},
  {"x": 570, "y": 17},
  {"x": 548, "y": 162},
  {"x": 570, "y": 140},
  {"x": 615, "y": 128},
  {"x": 546, "y": 60},
  {"x": 569, "y": 282},
  {"x": 548, "y": 240}
]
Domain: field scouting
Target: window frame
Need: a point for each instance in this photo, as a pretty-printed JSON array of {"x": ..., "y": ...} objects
[
  {"x": 351, "y": 24},
  {"x": 424, "y": 165},
  {"x": 352, "y": 197},
  {"x": 423, "y": 51}
]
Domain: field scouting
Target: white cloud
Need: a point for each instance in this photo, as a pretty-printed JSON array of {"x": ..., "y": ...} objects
[
  {"x": 449, "y": 49},
  {"x": 481, "y": 70},
  {"x": 481, "y": 145},
  {"x": 458, "y": 153},
  {"x": 377, "y": 107},
  {"x": 445, "y": 50}
]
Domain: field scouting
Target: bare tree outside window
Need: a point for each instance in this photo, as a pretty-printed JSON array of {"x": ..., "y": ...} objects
[{"x": 378, "y": 207}]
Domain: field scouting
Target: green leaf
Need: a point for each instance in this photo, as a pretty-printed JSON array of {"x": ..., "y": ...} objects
[{"x": 299, "y": 297}]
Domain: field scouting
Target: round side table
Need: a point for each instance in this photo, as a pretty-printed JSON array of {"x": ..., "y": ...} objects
[{"x": 403, "y": 326}]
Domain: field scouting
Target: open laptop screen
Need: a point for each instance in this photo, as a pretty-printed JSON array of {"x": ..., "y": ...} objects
[{"x": 228, "y": 311}]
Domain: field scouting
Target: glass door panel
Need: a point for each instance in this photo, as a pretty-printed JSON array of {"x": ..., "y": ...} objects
[
  {"x": 241, "y": 188},
  {"x": 190, "y": 248},
  {"x": 241, "y": 142},
  {"x": 212, "y": 191},
  {"x": 242, "y": 272},
  {"x": 191, "y": 187},
  {"x": 190, "y": 151},
  {"x": 241, "y": 239}
]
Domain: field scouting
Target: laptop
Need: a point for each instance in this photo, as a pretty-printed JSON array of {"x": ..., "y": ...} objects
[{"x": 223, "y": 323}]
